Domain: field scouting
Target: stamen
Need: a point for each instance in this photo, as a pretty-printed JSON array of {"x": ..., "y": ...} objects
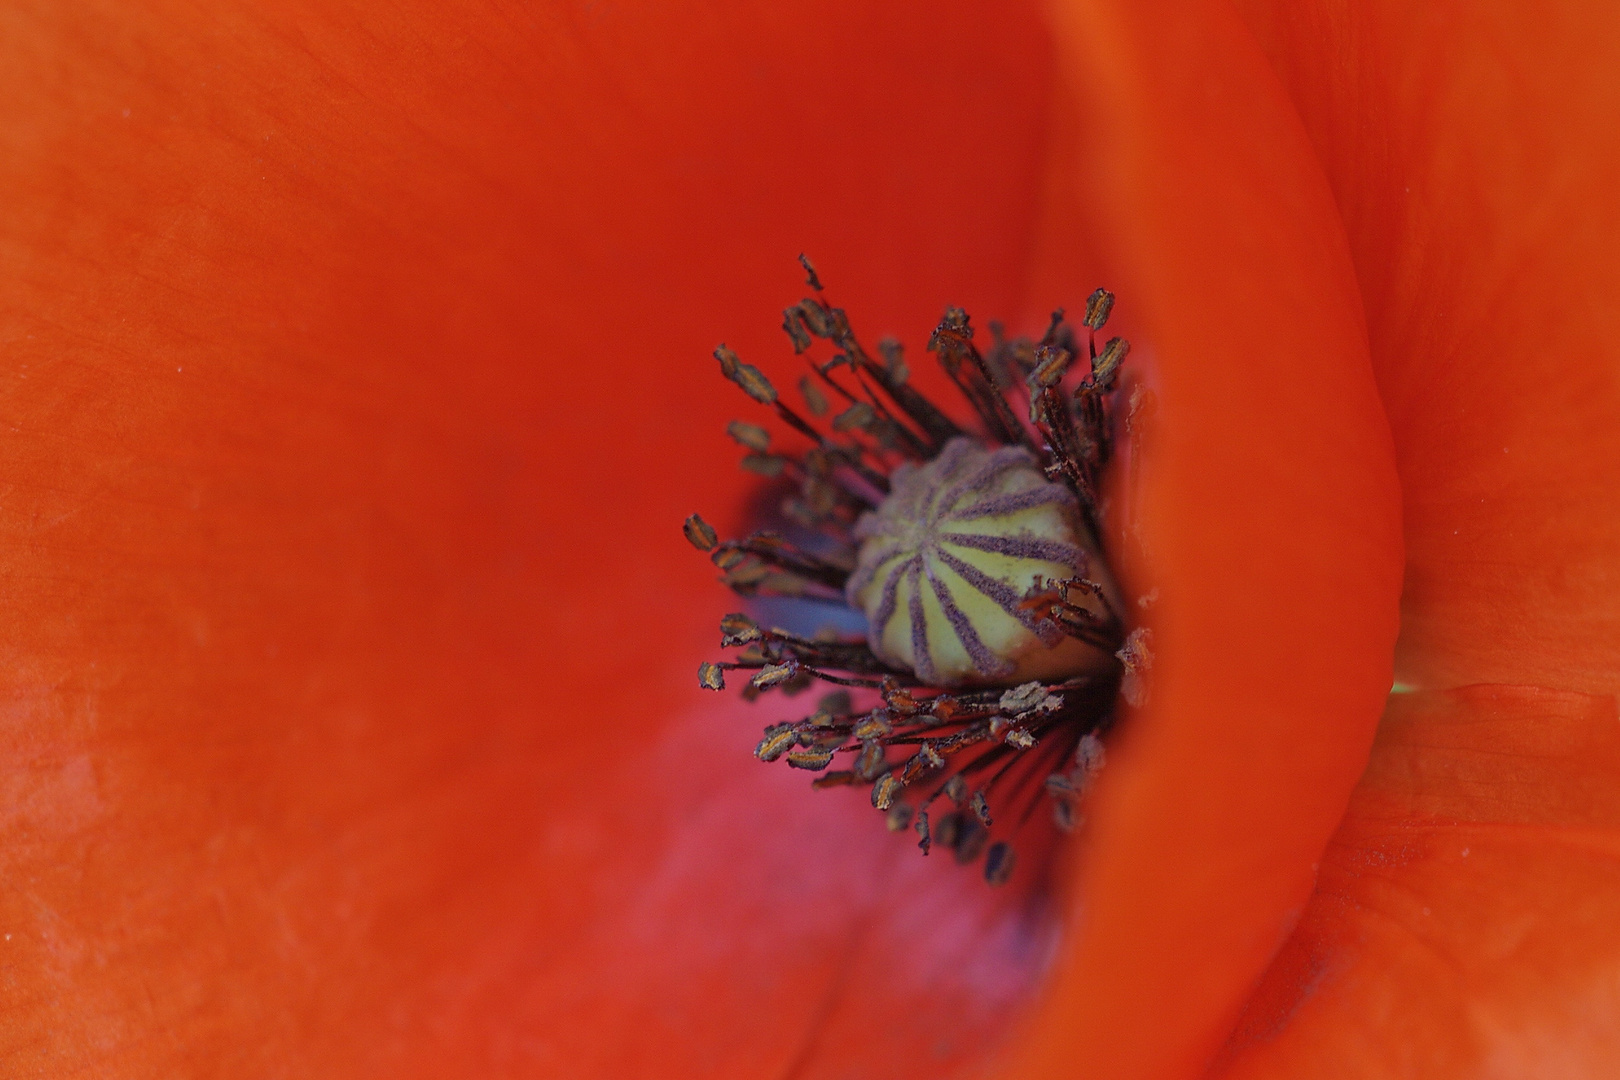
[
  {"x": 778, "y": 739},
  {"x": 1099, "y": 305},
  {"x": 814, "y": 399},
  {"x": 750, "y": 435},
  {"x": 700, "y": 533},
  {"x": 814, "y": 760},
  {"x": 711, "y": 676},
  {"x": 995, "y": 646},
  {"x": 998, "y": 863},
  {"x": 981, "y": 808},
  {"x": 969, "y": 839},
  {"x": 885, "y": 790},
  {"x": 1136, "y": 656}
]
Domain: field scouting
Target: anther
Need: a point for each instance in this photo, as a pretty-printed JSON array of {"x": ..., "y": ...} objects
[
  {"x": 981, "y": 808},
  {"x": 779, "y": 738},
  {"x": 1052, "y": 365},
  {"x": 836, "y": 702},
  {"x": 873, "y": 727},
  {"x": 971, "y": 838},
  {"x": 1107, "y": 363},
  {"x": 814, "y": 399},
  {"x": 750, "y": 435},
  {"x": 1027, "y": 699},
  {"x": 810, "y": 272},
  {"x": 948, "y": 830},
  {"x": 738, "y": 629},
  {"x": 999, "y": 862},
  {"x": 711, "y": 676},
  {"x": 899, "y": 698},
  {"x": 700, "y": 533},
  {"x": 750, "y": 378},
  {"x": 1136, "y": 655},
  {"x": 894, "y": 361},
  {"x": 769, "y": 466},
  {"x": 870, "y": 763},
  {"x": 1089, "y": 754},
  {"x": 1099, "y": 305},
  {"x": 858, "y": 417},
  {"x": 772, "y": 674},
  {"x": 813, "y": 760},
  {"x": 885, "y": 790}
]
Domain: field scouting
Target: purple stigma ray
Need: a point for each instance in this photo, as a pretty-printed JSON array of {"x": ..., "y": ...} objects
[
  {"x": 974, "y": 489},
  {"x": 1004, "y": 596},
  {"x": 890, "y": 601},
  {"x": 922, "y": 660},
  {"x": 951, "y": 457},
  {"x": 1019, "y": 547},
  {"x": 986, "y": 662},
  {"x": 914, "y": 495},
  {"x": 864, "y": 574},
  {"x": 988, "y": 472},
  {"x": 1010, "y": 504}
]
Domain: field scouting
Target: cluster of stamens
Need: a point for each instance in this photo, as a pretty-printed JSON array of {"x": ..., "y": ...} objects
[{"x": 995, "y": 647}]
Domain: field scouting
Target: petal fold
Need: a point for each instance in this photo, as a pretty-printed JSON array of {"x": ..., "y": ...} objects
[
  {"x": 1464, "y": 923},
  {"x": 1268, "y": 514},
  {"x": 1474, "y": 155}
]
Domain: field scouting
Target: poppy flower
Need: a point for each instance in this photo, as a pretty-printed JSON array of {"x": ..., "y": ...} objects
[{"x": 356, "y": 387}]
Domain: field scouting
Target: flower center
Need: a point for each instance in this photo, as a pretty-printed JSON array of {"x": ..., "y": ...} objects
[
  {"x": 994, "y": 646},
  {"x": 948, "y": 557}
]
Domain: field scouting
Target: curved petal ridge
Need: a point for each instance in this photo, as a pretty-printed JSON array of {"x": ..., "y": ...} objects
[
  {"x": 1465, "y": 909},
  {"x": 1267, "y": 512},
  {"x": 1474, "y": 156}
]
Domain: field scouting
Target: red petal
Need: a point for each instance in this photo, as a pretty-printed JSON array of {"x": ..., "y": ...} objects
[
  {"x": 1464, "y": 920},
  {"x": 1271, "y": 521},
  {"x": 1473, "y": 154},
  {"x": 1473, "y": 151},
  {"x": 360, "y": 382}
]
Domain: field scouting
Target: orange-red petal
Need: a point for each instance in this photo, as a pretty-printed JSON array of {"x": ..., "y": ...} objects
[
  {"x": 1464, "y": 922},
  {"x": 1472, "y": 152},
  {"x": 1269, "y": 511},
  {"x": 1474, "y": 155},
  {"x": 357, "y": 384}
]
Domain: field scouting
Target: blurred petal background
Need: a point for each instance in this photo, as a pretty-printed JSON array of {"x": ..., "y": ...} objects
[{"x": 356, "y": 380}]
